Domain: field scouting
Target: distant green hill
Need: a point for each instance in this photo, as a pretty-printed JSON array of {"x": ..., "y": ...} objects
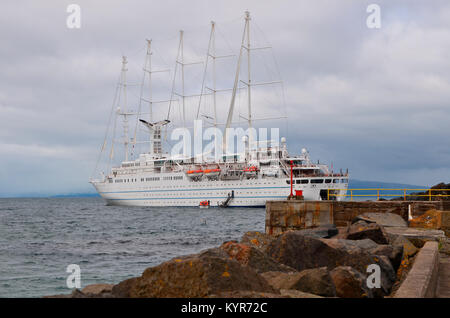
[
  {"x": 76, "y": 195},
  {"x": 359, "y": 195},
  {"x": 362, "y": 184}
]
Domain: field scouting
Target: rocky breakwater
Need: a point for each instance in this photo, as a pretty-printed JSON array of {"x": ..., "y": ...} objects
[{"x": 318, "y": 262}]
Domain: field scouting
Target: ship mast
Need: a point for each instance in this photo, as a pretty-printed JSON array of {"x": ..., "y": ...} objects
[
  {"x": 181, "y": 62},
  {"x": 148, "y": 69},
  {"x": 214, "y": 57},
  {"x": 155, "y": 145},
  {"x": 124, "y": 111},
  {"x": 245, "y": 45},
  {"x": 247, "y": 21},
  {"x": 236, "y": 79},
  {"x": 211, "y": 54}
]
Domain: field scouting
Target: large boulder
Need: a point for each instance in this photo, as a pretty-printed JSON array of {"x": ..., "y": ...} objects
[
  {"x": 363, "y": 230},
  {"x": 323, "y": 231},
  {"x": 315, "y": 281},
  {"x": 123, "y": 289},
  {"x": 352, "y": 246},
  {"x": 417, "y": 236},
  {"x": 363, "y": 253},
  {"x": 384, "y": 219},
  {"x": 199, "y": 275},
  {"x": 302, "y": 252},
  {"x": 367, "y": 245},
  {"x": 98, "y": 290},
  {"x": 293, "y": 293},
  {"x": 76, "y": 293},
  {"x": 257, "y": 239},
  {"x": 250, "y": 256},
  {"x": 408, "y": 248},
  {"x": 394, "y": 253},
  {"x": 245, "y": 294},
  {"x": 350, "y": 283},
  {"x": 388, "y": 276}
]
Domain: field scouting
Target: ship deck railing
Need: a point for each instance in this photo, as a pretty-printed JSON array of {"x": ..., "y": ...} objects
[{"x": 383, "y": 193}]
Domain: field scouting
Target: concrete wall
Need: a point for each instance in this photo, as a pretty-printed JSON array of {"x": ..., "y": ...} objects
[
  {"x": 346, "y": 211},
  {"x": 422, "y": 279},
  {"x": 420, "y": 207},
  {"x": 296, "y": 214}
]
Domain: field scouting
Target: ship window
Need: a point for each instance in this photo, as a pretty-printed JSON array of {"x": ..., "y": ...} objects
[
  {"x": 317, "y": 181},
  {"x": 344, "y": 181},
  {"x": 327, "y": 180},
  {"x": 304, "y": 181},
  {"x": 335, "y": 180}
]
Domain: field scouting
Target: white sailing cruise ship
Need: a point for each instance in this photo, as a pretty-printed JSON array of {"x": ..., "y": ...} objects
[{"x": 262, "y": 171}]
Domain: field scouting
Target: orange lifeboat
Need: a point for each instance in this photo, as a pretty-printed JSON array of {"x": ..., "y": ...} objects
[
  {"x": 211, "y": 172},
  {"x": 250, "y": 171},
  {"x": 194, "y": 173},
  {"x": 204, "y": 204}
]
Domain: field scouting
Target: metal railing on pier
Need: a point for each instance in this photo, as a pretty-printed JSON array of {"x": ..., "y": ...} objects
[{"x": 381, "y": 193}]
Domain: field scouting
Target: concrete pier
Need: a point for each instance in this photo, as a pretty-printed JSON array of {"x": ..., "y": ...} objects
[
  {"x": 430, "y": 274},
  {"x": 422, "y": 280},
  {"x": 297, "y": 214}
]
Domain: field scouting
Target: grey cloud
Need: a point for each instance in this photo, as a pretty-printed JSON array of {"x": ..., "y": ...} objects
[{"x": 375, "y": 101}]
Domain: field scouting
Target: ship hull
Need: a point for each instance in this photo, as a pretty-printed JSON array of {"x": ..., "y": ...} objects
[{"x": 186, "y": 193}]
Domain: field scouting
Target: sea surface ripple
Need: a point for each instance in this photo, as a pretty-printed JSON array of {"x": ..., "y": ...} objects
[{"x": 40, "y": 237}]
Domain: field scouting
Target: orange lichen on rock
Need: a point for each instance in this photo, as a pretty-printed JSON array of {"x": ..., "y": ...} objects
[
  {"x": 429, "y": 219},
  {"x": 255, "y": 242},
  {"x": 237, "y": 251}
]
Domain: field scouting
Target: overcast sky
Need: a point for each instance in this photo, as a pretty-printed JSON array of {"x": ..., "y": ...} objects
[{"x": 375, "y": 101}]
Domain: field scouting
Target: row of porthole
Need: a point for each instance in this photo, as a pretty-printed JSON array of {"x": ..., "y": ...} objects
[
  {"x": 198, "y": 186},
  {"x": 210, "y": 193},
  {"x": 212, "y": 201}
]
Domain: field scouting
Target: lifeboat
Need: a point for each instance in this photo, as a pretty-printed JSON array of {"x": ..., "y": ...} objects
[
  {"x": 250, "y": 171},
  {"x": 204, "y": 204},
  {"x": 211, "y": 173},
  {"x": 194, "y": 173}
]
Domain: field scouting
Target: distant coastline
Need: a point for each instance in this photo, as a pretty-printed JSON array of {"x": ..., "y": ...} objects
[{"x": 50, "y": 196}]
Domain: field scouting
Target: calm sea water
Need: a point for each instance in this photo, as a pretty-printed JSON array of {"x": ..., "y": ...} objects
[{"x": 40, "y": 237}]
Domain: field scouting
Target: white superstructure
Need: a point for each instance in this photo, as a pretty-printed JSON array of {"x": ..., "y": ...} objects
[{"x": 261, "y": 171}]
